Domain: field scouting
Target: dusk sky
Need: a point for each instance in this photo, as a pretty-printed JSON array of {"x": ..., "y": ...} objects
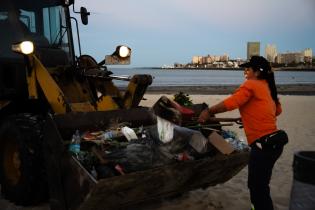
[{"x": 168, "y": 31}]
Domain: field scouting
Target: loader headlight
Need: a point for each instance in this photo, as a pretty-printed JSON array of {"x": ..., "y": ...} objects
[
  {"x": 26, "y": 47},
  {"x": 121, "y": 56},
  {"x": 123, "y": 51}
]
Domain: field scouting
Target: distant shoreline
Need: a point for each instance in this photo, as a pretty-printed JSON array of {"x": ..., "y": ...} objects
[
  {"x": 238, "y": 69},
  {"x": 290, "y": 89}
]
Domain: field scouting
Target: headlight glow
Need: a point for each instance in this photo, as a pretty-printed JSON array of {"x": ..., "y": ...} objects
[
  {"x": 124, "y": 51},
  {"x": 26, "y": 47}
]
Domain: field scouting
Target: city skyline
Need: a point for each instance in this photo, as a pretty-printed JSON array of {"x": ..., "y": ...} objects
[
  {"x": 262, "y": 51},
  {"x": 171, "y": 31},
  {"x": 300, "y": 59}
]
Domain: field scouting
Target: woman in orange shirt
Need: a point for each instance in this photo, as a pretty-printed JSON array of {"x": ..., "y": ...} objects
[{"x": 259, "y": 106}]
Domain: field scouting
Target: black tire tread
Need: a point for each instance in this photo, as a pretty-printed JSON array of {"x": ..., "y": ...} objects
[{"x": 32, "y": 187}]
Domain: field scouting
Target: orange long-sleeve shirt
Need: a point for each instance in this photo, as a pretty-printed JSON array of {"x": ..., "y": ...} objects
[{"x": 257, "y": 108}]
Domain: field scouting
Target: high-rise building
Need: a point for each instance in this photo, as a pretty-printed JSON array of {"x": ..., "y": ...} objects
[
  {"x": 197, "y": 59},
  {"x": 209, "y": 59},
  {"x": 295, "y": 57},
  {"x": 253, "y": 48},
  {"x": 290, "y": 58},
  {"x": 307, "y": 54},
  {"x": 271, "y": 52}
]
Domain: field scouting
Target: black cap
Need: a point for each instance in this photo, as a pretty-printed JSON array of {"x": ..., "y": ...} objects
[{"x": 258, "y": 63}]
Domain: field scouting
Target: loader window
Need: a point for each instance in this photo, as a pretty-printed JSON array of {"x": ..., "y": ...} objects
[
  {"x": 25, "y": 17},
  {"x": 51, "y": 25},
  {"x": 28, "y": 18},
  {"x": 55, "y": 29}
]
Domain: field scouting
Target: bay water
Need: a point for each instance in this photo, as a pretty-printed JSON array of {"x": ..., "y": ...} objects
[{"x": 184, "y": 77}]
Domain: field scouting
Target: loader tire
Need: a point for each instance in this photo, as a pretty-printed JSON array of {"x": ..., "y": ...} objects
[{"x": 22, "y": 169}]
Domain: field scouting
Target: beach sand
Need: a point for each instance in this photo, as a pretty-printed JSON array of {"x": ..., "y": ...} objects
[{"x": 298, "y": 119}]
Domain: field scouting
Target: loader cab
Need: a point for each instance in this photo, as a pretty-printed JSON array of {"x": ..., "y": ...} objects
[{"x": 46, "y": 24}]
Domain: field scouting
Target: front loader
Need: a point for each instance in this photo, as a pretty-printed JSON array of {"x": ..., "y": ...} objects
[
  {"x": 40, "y": 75},
  {"x": 47, "y": 93}
]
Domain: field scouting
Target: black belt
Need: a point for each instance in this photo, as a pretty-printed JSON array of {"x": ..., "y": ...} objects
[
  {"x": 267, "y": 137},
  {"x": 278, "y": 138}
]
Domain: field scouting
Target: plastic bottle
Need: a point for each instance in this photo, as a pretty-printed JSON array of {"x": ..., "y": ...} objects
[
  {"x": 109, "y": 135},
  {"x": 74, "y": 146}
]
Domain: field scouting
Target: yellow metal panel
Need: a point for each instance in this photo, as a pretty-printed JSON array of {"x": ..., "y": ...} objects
[
  {"x": 136, "y": 89},
  {"x": 130, "y": 94},
  {"x": 110, "y": 88},
  {"x": 53, "y": 93},
  {"x": 82, "y": 107},
  {"x": 31, "y": 84},
  {"x": 106, "y": 103}
]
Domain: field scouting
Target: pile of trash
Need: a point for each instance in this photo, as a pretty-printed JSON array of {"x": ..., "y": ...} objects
[{"x": 120, "y": 150}]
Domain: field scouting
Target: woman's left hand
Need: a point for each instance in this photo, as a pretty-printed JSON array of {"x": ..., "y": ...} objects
[{"x": 204, "y": 116}]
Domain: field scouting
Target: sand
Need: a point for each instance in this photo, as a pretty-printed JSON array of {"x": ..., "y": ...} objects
[{"x": 298, "y": 119}]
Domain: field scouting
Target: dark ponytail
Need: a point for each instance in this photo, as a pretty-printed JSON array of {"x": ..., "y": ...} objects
[
  {"x": 267, "y": 74},
  {"x": 272, "y": 86}
]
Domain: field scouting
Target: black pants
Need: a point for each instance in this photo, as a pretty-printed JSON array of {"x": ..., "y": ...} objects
[{"x": 260, "y": 167}]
